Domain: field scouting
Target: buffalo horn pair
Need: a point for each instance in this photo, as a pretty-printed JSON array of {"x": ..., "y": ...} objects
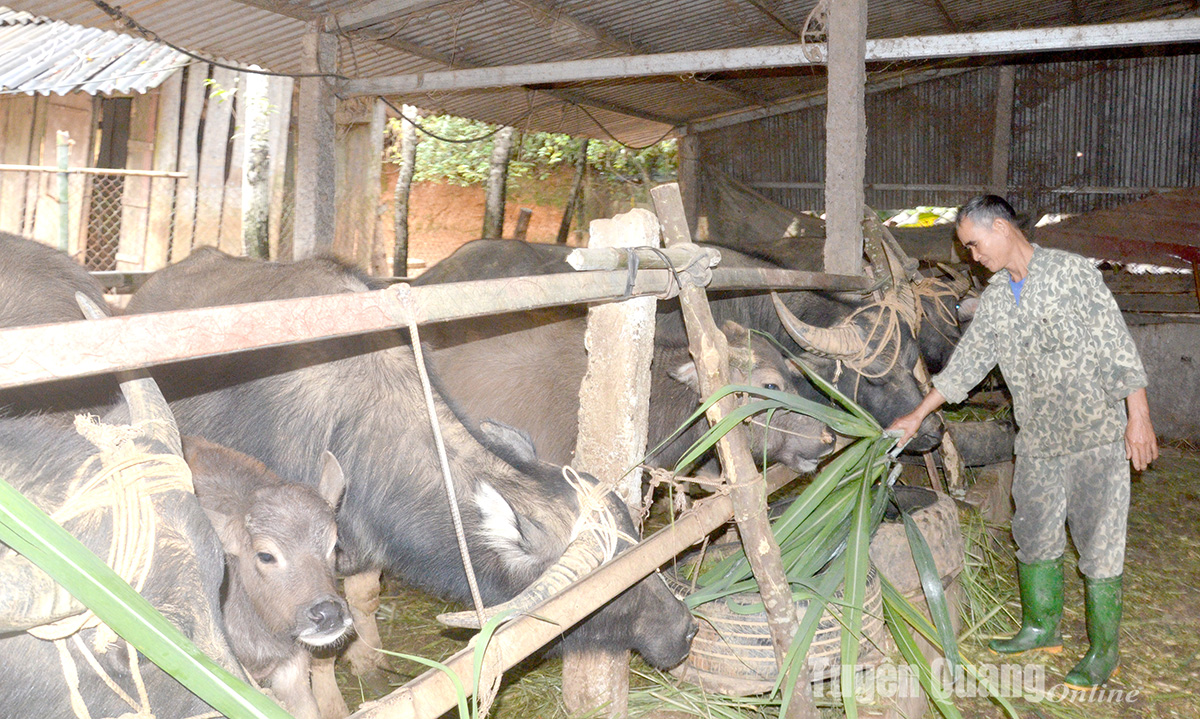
[{"x": 843, "y": 341}]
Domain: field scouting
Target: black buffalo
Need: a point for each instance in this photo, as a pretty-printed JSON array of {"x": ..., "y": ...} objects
[
  {"x": 845, "y": 338},
  {"x": 360, "y": 398}
]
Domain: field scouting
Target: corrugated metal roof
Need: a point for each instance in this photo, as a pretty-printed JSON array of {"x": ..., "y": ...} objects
[
  {"x": 473, "y": 33},
  {"x": 43, "y": 56}
]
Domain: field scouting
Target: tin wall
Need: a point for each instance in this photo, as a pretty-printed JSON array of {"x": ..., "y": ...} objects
[{"x": 1085, "y": 135}]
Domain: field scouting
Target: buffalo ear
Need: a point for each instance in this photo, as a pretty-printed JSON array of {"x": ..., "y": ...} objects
[
  {"x": 686, "y": 374},
  {"x": 509, "y": 441},
  {"x": 333, "y": 479},
  {"x": 735, "y": 333},
  {"x": 230, "y": 530}
]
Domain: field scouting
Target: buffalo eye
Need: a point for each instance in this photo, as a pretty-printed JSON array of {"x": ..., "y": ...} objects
[
  {"x": 265, "y": 557},
  {"x": 771, "y": 386}
]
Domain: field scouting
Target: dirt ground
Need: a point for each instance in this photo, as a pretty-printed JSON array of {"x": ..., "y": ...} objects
[{"x": 1160, "y": 633}]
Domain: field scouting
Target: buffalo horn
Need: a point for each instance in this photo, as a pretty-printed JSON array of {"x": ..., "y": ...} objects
[
  {"x": 842, "y": 341},
  {"x": 29, "y": 597},
  {"x": 959, "y": 282},
  {"x": 581, "y": 557},
  {"x": 147, "y": 406}
]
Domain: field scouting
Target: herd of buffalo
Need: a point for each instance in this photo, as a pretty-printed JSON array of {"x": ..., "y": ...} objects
[{"x": 318, "y": 459}]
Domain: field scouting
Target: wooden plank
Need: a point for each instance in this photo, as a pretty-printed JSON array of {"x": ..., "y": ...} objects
[
  {"x": 189, "y": 162},
  {"x": 1125, "y": 283},
  {"x": 135, "y": 200},
  {"x": 36, "y": 185},
  {"x": 214, "y": 147},
  {"x": 434, "y": 692},
  {"x": 280, "y": 96},
  {"x": 256, "y": 175},
  {"x": 73, "y": 114},
  {"x": 19, "y": 148},
  {"x": 1181, "y": 303},
  {"x": 231, "y": 203},
  {"x": 359, "y": 164},
  {"x": 166, "y": 157}
]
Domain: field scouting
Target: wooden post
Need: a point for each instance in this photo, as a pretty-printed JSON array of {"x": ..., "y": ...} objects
[
  {"x": 576, "y": 196},
  {"x": 403, "y": 190},
  {"x": 256, "y": 168},
  {"x": 230, "y": 237},
  {"x": 689, "y": 178},
  {"x": 747, "y": 489},
  {"x": 497, "y": 185},
  {"x": 189, "y": 162},
  {"x": 280, "y": 94},
  {"x": 210, "y": 178},
  {"x": 845, "y": 136},
  {"x": 162, "y": 189},
  {"x": 614, "y": 411},
  {"x": 135, "y": 199},
  {"x": 1002, "y": 129},
  {"x": 316, "y": 157},
  {"x": 522, "y": 228}
]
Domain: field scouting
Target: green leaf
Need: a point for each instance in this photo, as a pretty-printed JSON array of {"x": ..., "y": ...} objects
[
  {"x": 912, "y": 653},
  {"x": 857, "y": 565},
  {"x": 28, "y": 530},
  {"x": 931, "y": 582}
]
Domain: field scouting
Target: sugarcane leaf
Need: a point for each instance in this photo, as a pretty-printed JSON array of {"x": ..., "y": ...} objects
[
  {"x": 31, "y": 532},
  {"x": 481, "y": 644},
  {"x": 912, "y": 653},
  {"x": 931, "y": 582},
  {"x": 857, "y": 565},
  {"x": 795, "y": 664}
]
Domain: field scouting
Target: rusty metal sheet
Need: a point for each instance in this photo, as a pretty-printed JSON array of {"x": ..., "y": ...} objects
[{"x": 1162, "y": 229}]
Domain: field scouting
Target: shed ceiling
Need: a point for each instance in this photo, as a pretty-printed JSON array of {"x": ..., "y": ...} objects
[{"x": 428, "y": 35}]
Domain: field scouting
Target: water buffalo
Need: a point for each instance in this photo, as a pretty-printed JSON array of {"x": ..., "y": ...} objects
[
  {"x": 360, "y": 398},
  {"x": 867, "y": 349},
  {"x": 178, "y": 566},
  {"x": 38, "y": 286},
  {"x": 280, "y": 593}
]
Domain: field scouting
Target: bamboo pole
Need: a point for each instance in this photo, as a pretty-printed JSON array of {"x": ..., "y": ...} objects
[{"x": 433, "y": 693}]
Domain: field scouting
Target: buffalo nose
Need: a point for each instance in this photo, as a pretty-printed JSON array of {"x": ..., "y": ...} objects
[
  {"x": 327, "y": 615},
  {"x": 827, "y": 436}
]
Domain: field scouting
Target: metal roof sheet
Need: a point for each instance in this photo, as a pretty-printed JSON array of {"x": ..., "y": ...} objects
[
  {"x": 475, "y": 33},
  {"x": 39, "y": 55}
]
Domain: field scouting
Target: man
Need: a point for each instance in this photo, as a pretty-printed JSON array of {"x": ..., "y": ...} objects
[{"x": 1053, "y": 327}]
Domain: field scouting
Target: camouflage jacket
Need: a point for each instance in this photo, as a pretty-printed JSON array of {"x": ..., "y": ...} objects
[{"x": 1065, "y": 353}]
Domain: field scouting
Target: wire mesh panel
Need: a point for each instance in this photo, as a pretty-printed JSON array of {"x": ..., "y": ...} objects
[{"x": 103, "y": 212}]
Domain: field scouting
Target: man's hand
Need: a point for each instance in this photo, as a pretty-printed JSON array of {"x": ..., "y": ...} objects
[
  {"x": 911, "y": 422},
  {"x": 1141, "y": 446}
]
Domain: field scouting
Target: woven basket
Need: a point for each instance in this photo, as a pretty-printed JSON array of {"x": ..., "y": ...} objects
[{"x": 732, "y": 652}]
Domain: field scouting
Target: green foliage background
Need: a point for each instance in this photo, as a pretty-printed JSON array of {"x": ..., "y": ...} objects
[{"x": 537, "y": 155}]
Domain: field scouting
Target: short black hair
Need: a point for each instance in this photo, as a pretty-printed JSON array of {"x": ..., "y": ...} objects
[{"x": 984, "y": 210}]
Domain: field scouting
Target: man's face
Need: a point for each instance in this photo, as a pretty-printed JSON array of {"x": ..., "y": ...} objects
[{"x": 988, "y": 244}]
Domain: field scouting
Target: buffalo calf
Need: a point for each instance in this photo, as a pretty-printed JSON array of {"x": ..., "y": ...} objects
[{"x": 280, "y": 595}]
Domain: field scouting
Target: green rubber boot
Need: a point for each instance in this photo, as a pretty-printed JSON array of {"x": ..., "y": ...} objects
[
  {"x": 1103, "y": 598},
  {"x": 1041, "y": 610}
]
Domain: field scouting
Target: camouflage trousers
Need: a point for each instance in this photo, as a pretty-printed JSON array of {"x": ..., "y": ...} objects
[{"x": 1088, "y": 490}]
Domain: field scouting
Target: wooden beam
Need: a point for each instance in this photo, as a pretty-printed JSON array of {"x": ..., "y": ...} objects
[
  {"x": 1002, "y": 129},
  {"x": 214, "y": 149},
  {"x": 1001, "y": 42},
  {"x": 434, "y": 692},
  {"x": 375, "y": 12},
  {"x": 316, "y": 161},
  {"x": 166, "y": 155},
  {"x": 46, "y": 353},
  {"x": 845, "y": 136}
]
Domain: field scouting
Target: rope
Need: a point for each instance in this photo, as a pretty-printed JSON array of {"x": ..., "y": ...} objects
[
  {"x": 889, "y": 311},
  {"x": 404, "y": 295},
  {"x": 594, "y": 514}
]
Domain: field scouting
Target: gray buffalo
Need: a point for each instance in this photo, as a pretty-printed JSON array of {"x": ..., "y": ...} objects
[
  {"x": 361, "y": 399},
  {"x": 71, "y": 664},
  {"x": 280, "y": 595}
]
